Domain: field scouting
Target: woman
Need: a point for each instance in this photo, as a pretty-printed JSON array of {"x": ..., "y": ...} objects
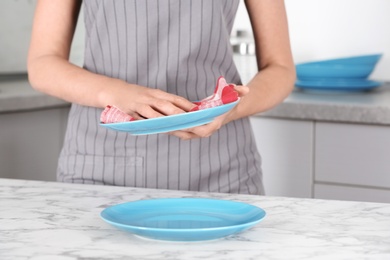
[{"x": 151, "y": 58}]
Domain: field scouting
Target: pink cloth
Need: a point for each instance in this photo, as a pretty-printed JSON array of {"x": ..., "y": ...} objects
[
  {"x": 224, "y": 93},
  {"x": 113, "y": 114}
]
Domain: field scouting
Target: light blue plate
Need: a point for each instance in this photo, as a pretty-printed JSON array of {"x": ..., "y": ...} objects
[
  {"x": 171, "y": 123},
  {"x": 333, "y": 71},
  {"x": 183, "y": 219},
  {"x": 371, "y": 59},
  {"x": 338, "y": 84}
]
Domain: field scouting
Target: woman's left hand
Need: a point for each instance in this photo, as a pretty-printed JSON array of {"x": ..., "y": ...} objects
[{"x": 208, "y": 129}]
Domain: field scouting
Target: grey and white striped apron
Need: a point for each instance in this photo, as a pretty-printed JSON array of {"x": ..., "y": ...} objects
[{"x": 179, "y": 46}]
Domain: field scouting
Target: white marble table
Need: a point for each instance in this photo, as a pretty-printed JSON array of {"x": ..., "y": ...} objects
[{"x": 43, "y": 220}]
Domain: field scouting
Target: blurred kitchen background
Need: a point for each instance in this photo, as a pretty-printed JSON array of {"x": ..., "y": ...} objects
[
  {"x": 323, "y": 29},
  {"x": 314, "y": 145}
]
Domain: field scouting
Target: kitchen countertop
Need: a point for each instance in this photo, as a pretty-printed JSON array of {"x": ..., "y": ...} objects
[
  {"x": 16, "y": 94},
  {"x": 371, "y": 107},
  {"x": 48, "y": 220}
]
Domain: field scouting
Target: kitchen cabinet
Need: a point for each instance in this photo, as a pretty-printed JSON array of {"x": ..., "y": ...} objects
[
  {"x": 324, "y": 160},
  {"x": 30, "y": 142},
  {"x": 286, "y": 147},
  {"x": 352, "y": 154},
  {"x": 352, "y": 193}
]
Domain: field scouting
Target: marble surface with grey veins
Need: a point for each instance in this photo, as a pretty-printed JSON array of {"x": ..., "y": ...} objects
[
  {"x": 48, "y": 220},
  {"x": 371, "y": 107}
]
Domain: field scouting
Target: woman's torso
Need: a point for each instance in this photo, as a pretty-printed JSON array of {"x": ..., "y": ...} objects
[{"x": 179, "y": 46}]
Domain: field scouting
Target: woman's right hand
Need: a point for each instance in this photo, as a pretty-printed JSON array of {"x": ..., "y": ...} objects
[{"x": 143, "y": 102}]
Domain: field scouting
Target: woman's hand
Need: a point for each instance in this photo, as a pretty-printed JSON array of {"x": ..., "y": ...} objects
[
  {"x": 142, "y": 102},
  {"x": 276, "y": 71},
  {"x": 208, "y": 129}
]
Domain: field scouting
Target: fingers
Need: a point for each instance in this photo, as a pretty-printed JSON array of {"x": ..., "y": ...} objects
[
  {"x": 181, "y": 103},
  {"x": 145, "y": 111},
  {"x": 184, "y": 135},
  {"x": 196, "y": 132},
  {"x": 165, "y": 107},
  {"x": 202, "y": 131},
  {"x": 207, "y": 130},
  {"x": 155, "y": 103},
  {"x": 242, "y": 90}
]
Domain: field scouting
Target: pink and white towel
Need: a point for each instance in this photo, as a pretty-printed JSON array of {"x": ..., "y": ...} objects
[
  {"x": 113, "y": 114},
  {"x": 224, "y": 93}
]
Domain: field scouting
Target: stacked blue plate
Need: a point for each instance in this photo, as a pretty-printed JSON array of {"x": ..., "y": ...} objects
[{"x": 342, "y": 74}]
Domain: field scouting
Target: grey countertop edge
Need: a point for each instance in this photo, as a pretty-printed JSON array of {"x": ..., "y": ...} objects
[
  {"x": 30, "y": 103},
  {"x": 16, "y": 95},
  {"x": 285, "y": 110},
  {"x": 332, "y": 113}
]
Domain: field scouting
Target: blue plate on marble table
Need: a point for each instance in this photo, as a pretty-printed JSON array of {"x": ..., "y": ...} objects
[
  {"x": 171, "y": 123},
  {"x": 183, "y": 219}
]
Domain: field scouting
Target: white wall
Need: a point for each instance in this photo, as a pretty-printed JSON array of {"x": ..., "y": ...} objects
[
  {"x": 16, "y": 19},
  {"x": 321, "y": 29}
]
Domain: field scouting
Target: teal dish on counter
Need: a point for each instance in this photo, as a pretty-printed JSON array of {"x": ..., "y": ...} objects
[
  {"x": 355, "y": 67},
  {"x": 371, "y": 59},
  {"x": 320, "y": 71},
  {"x": 342, "y": 74},
  {"x": 338, "y": 84},
  {"x": 183, "y": 219}
]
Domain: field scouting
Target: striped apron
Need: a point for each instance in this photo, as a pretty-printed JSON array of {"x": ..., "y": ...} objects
[{"x": 179, "y": 46}]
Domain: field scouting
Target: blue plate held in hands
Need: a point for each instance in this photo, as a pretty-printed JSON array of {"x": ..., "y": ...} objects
[
  {"x": 171, "y": 123},
  {"x": 183, "y": 219}
]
